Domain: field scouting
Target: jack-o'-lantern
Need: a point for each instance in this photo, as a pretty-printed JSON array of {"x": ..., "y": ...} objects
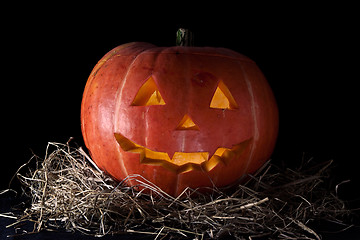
[{"x": 178, "y": 116}]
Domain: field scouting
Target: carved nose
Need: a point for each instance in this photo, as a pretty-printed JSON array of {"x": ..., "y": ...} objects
[{"x": 187, "y": 123}]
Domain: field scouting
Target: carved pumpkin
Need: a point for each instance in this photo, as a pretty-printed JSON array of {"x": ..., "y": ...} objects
[{"x": 179, "y": 116}]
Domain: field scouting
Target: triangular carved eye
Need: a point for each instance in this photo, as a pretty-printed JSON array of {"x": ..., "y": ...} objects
[
  {"x": 148, "y": 95},
  {"x": 222, "y": 98}
]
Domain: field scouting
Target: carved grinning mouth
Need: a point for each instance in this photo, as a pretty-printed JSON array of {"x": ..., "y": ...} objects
[{"x": 182, "y": 162}]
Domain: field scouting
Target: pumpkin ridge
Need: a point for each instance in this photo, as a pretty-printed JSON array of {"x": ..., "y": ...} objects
[{"x": 119, "y": 94}]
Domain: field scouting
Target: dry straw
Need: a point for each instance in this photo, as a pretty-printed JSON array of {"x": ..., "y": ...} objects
[{"x": 68, "y": 192}]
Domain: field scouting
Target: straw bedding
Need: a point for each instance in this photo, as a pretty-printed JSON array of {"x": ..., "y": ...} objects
[{"x": 68, "y": 192}]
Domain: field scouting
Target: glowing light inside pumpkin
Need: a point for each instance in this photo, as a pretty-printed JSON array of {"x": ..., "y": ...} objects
[
  {"x": 148, "y": 94},
  {"x": 182, "y": 162},
  {"x": 222, "y": 98}
]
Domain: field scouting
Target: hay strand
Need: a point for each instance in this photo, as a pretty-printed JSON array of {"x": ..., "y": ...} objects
[{"x": 68, "y": 191}]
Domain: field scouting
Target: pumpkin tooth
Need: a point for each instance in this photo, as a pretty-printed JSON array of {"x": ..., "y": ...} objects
[{"x": 181, "y": 158}]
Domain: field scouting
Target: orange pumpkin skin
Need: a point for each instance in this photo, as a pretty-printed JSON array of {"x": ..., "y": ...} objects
[{"x": 126, "y": 131}]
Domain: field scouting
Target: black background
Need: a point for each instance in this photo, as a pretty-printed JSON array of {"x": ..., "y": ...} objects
[{"x": 308, "y": 53}]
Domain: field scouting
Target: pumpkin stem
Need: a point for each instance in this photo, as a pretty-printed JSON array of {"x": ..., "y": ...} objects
[{"x": 184, "y": 37}]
